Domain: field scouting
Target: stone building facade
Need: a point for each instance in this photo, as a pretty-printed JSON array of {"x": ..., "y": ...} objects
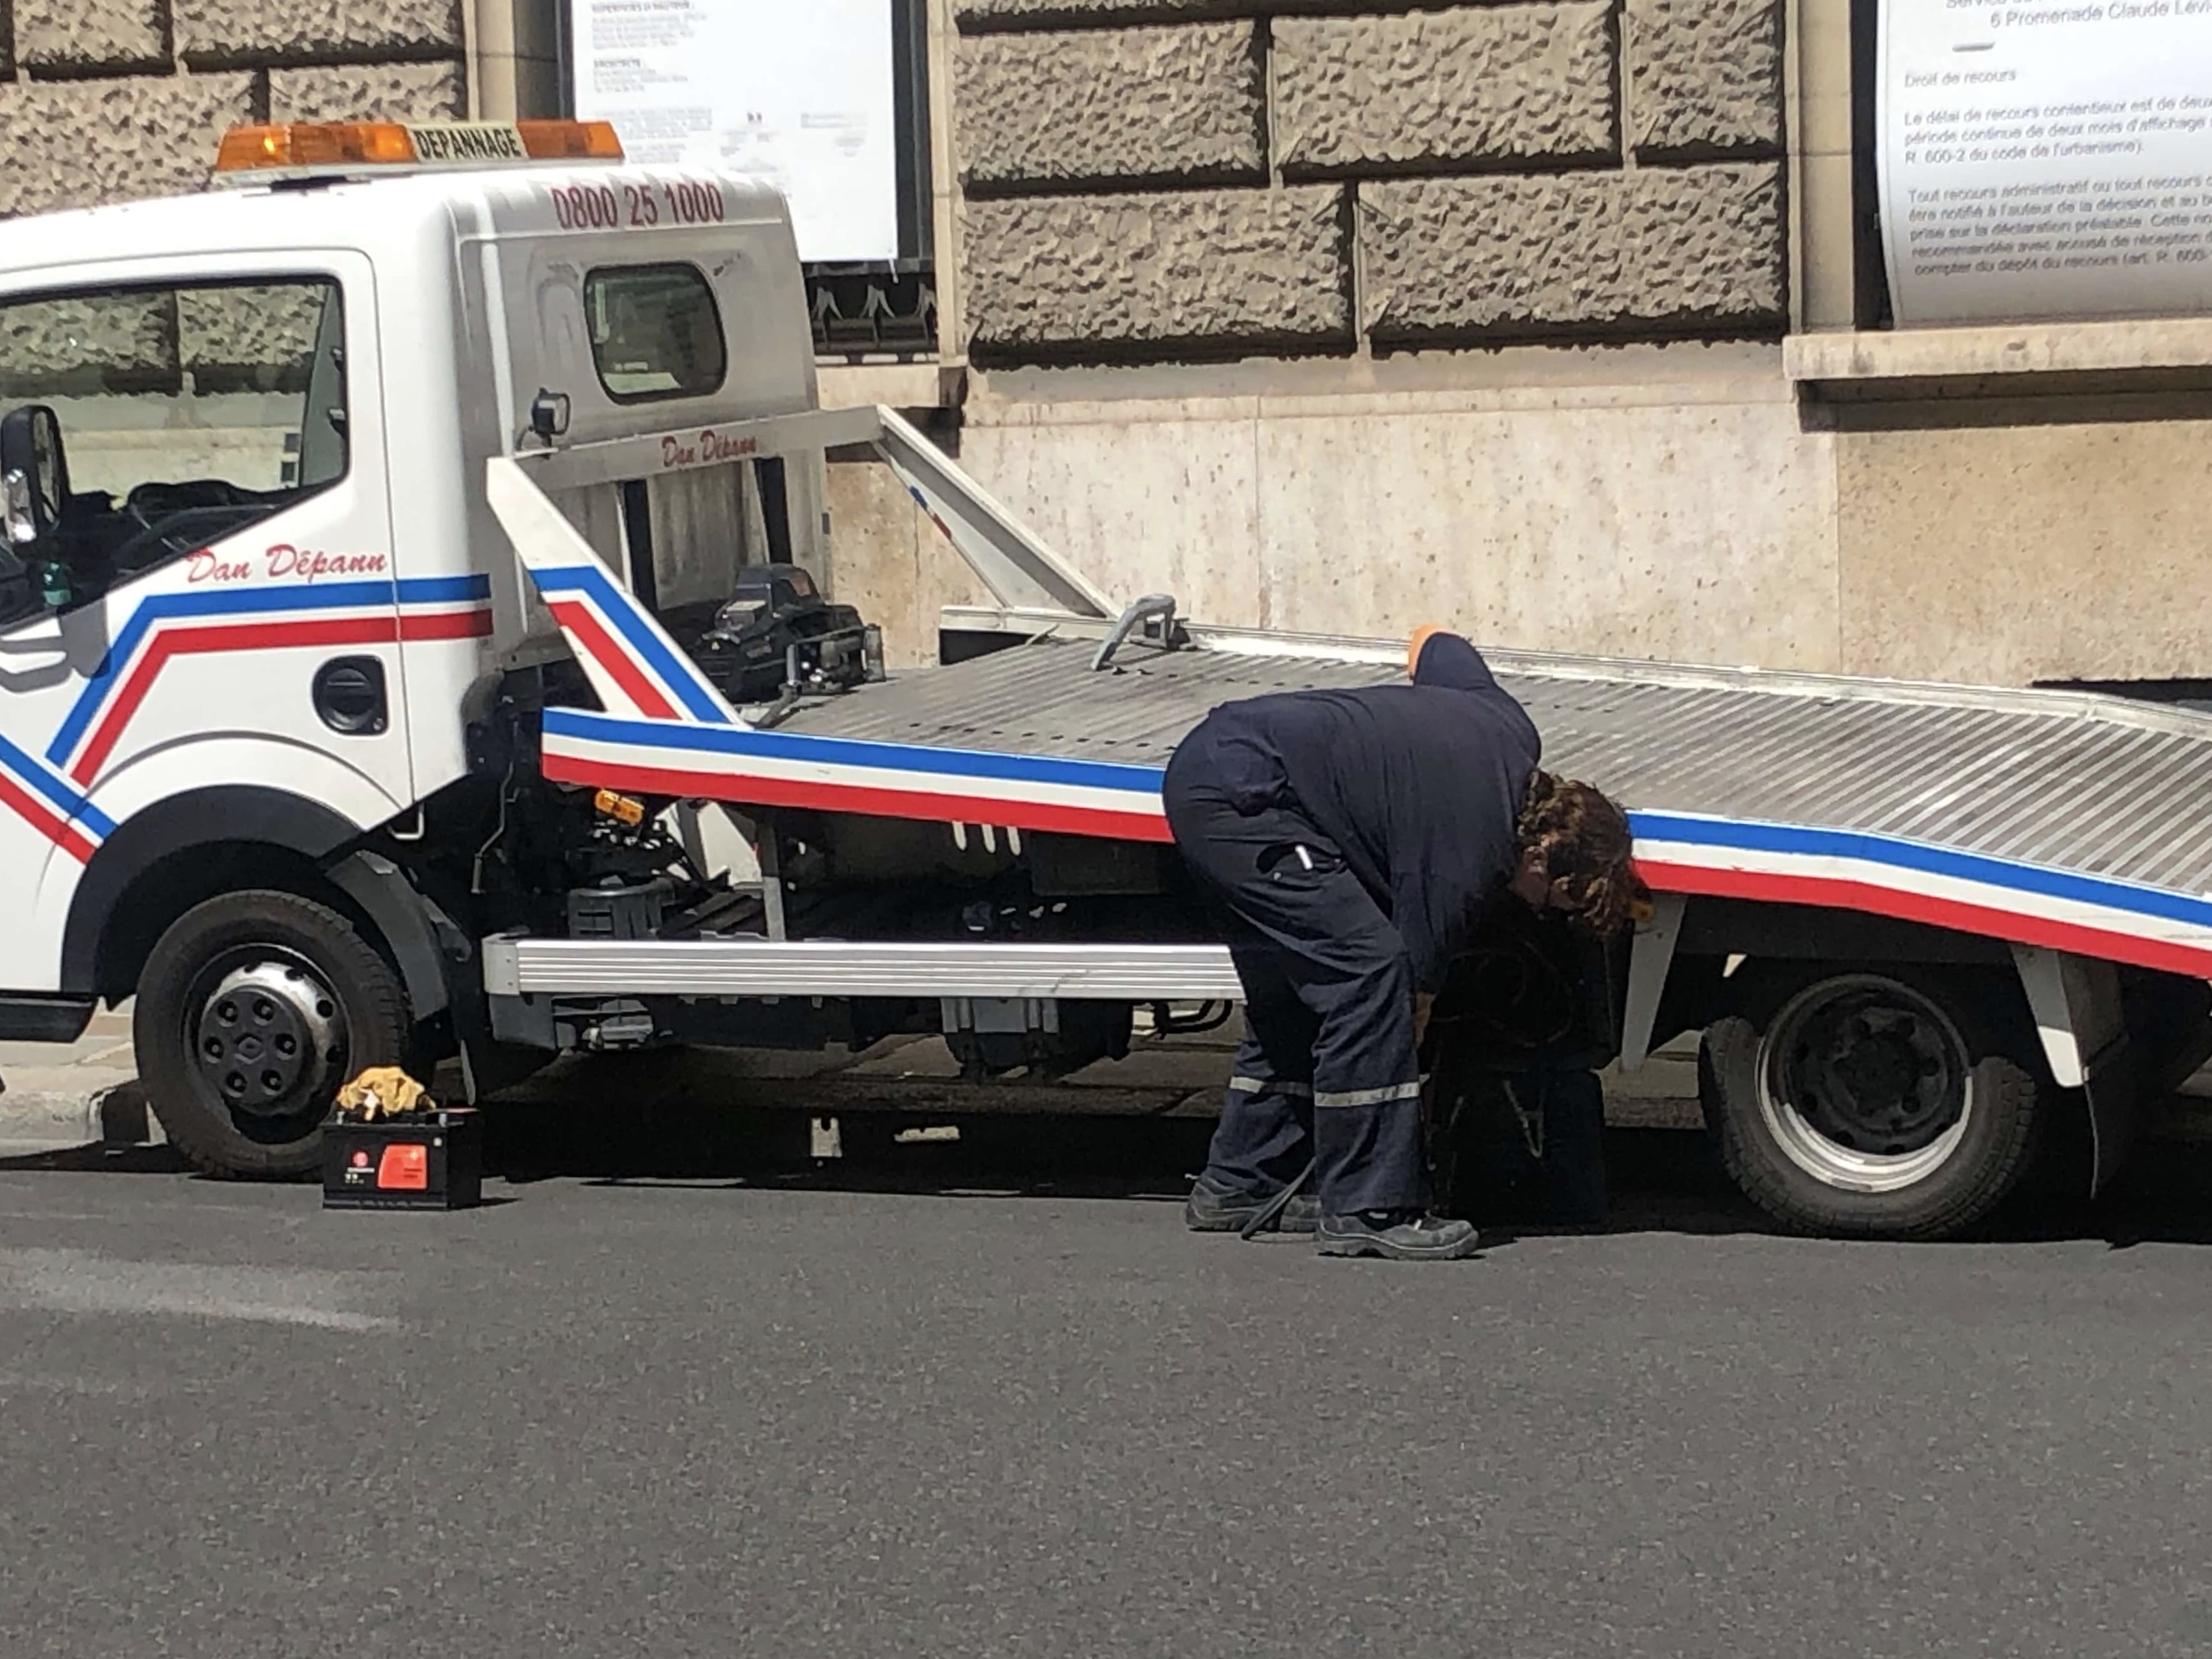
[
  {"x": 1560, "y": 321},
  {"x": 1337, "y": 185},
  {"x": 109, "y": 99}
]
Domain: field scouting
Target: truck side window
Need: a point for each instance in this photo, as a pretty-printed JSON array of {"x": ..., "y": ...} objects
[
  {"x": 655, "y": 331},
  {"x": 187, "y": 411}
]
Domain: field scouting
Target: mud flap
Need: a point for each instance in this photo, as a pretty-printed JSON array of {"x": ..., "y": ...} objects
[
  {"x": 2113, "y": 1115},
  {"x": 2075, "y": 1003}
]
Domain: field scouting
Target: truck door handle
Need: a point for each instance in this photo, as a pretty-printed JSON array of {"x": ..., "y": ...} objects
[{"x": 350, "y": 696}]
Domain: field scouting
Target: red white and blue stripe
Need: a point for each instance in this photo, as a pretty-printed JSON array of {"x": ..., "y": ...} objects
[
  {"x": 166, "y": 626},
  {"x": 634, "y": 667},
  {"x": 737, "y": 762},
  {"x": 1913, "y": 881},
  {"x": 1683, "y": 852},
  {"x": 38, "y": 793}
]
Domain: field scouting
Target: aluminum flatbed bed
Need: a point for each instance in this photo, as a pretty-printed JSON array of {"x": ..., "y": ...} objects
[{"x": 2075, "y": 822}]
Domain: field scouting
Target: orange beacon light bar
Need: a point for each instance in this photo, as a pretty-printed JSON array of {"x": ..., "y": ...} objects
[{"x": 306, "y": 150}]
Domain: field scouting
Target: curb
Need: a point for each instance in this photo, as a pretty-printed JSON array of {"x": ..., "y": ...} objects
[{"x": 68, "y": 1106}]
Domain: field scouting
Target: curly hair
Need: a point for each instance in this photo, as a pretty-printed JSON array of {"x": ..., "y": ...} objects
[{"x": 1588, "y": 852}]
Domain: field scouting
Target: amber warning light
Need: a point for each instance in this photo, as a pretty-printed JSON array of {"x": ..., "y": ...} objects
[{"x": 351, "y": 147}]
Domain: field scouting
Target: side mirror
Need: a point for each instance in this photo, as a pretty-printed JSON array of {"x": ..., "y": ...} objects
[
  {"x": 548, "y": 414},
  {"x": 33, "y": 487}
]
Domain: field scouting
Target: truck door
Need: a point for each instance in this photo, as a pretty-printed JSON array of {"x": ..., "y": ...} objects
[{"x": 223, "y": 609}]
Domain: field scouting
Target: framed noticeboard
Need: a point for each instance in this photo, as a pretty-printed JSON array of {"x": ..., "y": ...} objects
[
  {"x": 824, "y": 100},
  {"x": 2045, "y": 159}
]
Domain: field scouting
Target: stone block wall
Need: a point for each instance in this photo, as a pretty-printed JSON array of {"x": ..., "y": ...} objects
[
  {"x": 1261, "y": 266},
  {"x": 1158, "y": 179},
  {"x": 194, "y": 343},
  {"x": 104, "y": 101}
]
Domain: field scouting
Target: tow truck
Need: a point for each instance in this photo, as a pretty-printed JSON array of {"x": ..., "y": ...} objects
[{"x": 406, "y": 565}]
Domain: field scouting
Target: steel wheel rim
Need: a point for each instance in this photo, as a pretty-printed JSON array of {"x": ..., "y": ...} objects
[{"x": 1865, "y": 1084}]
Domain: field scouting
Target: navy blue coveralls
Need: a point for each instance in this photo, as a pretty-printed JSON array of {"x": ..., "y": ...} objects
[{"x": 1347, "y": 842}]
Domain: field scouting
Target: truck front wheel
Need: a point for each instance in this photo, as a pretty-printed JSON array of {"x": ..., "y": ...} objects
[
  {"x": 253, "y": 1009},
  {"x": 1858, "y": 1106}
]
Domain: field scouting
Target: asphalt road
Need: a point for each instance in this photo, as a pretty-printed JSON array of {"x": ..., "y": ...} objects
[{"x": 933, "y": 1406}]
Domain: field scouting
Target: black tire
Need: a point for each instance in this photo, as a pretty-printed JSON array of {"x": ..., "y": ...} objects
[
  {"x": 1954, "y": 1163},
  {"x": 326, "y": 994}
]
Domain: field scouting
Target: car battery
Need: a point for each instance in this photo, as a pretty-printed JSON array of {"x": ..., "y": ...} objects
[{"x": 431, "y": 1160}]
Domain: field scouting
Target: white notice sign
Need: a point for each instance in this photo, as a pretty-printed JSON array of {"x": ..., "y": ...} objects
[
  {"x": 798, "y": 94},
  {"x": 2046, "y": 158}
]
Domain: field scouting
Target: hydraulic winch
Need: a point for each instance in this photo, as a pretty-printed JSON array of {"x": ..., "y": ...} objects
[{"x": 777, "y": 636}]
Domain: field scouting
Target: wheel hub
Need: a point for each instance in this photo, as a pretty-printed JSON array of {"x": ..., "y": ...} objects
[
  {"x": 1876, "y": 1081},
  {"x": 267, "y": 1038},
  {"x": 1865, "y": 1084}
]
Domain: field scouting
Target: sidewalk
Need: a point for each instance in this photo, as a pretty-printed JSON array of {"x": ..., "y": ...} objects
[{"x": 53, "y": 1094}]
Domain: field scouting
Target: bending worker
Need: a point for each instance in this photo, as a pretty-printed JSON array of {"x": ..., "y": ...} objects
[{"x": 1348, "y": 843}]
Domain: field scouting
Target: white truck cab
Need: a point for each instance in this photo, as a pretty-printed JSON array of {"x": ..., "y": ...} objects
[{"x": 251, "y": 591}]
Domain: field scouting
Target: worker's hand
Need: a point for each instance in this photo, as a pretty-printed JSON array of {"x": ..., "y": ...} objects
[
  {"x": 1425, "y": 1004},
  {"x": 1422, "y": 635}
]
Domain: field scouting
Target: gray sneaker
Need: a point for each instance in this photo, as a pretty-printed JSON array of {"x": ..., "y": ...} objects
[
  {"x": 1397, "y": 1235},
  {"x": 1216, "y": 1207}
]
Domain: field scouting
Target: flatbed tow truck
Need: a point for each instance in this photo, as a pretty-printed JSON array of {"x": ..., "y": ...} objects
[{"x": 380, "y": 717}]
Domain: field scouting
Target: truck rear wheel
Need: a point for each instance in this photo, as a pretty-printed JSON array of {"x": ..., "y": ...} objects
[
  {"x": 1857, "y": 1106},
  {"x": 252, "y": 1010}
]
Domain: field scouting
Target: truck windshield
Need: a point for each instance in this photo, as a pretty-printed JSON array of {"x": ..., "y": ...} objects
[
  {"x": 187, "y": 411},
  {"x": 655, "y": 333}
]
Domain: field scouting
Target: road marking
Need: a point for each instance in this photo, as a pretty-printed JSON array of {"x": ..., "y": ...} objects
[{"x": 84, "y": 1282}]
